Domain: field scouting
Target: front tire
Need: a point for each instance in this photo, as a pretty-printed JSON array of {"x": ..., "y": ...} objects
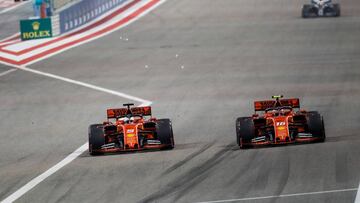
[
  {"x": 309, "y": 11},
  {"x": 337, "y": 10},
  {"x": 165, "y": 133},
  {"x": 96, "y": 139},
  {"x": 245, "y": 130},
  {"x": 316, "y": 125}
]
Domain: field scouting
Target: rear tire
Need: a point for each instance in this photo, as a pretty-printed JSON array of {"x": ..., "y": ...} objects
[
  {"x": 165, "y": 133},
  {"x": 316, "y": 126},
  {"x": 337, "y": 9},
  {"x": 96, "y": 138},
  {"x": 245, "y": 130},
  {"x": 309, "y": 11},
  {"x": 305, "y": 11},
  {"x": 237, "y": 126}
]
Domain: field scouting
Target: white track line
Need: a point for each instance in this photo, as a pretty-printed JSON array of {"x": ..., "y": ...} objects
[
  {"x": 7, "y": 38},
  {"x": 37, "y": 180},
  {"x": 27, "y": 187},
  {"x": 285, "y": 195},
  {"x": 7, "y": 72},
  {"x": 13, "y": 7},
  {"x": 129, "y": 11},
  {"x": 99, "y": 36},
  {"x": 68, "y": 80},
  {"x": 357, "y": 198}
]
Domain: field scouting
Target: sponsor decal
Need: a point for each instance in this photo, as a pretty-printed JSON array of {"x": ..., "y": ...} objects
[
  {"x": 130, "y": 135},
  {"x": 130, "y": 130},
  {"x": 281, "y": 128},
  {"x": 153, "y": 142}
]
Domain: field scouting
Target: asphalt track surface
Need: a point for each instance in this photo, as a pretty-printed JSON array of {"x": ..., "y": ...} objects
[
  {"x": 206, "y": 62},
  {"x": 9, "y": 21}
]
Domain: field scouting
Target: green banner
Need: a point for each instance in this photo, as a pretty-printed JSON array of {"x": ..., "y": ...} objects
[{"x": 35, "y": 29}]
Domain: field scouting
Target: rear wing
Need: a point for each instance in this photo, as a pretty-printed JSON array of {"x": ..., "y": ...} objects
[
  {"x": 139, "y": 111},
  {"x": 263, "y": 105}
]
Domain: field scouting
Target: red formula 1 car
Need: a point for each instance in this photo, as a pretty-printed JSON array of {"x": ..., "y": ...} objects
[
  {"x": 279, "y": 124},
  {"x": 127, "y": 129}
]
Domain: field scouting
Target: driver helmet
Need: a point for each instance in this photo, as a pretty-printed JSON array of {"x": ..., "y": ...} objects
[
  {"x": 284, "y": 112},
  {"x": 124, "y": 120},
  {"x": 275, "y": 112}
]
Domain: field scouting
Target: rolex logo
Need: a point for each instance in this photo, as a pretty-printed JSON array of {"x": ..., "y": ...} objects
[{"x": 36, "y": 25}]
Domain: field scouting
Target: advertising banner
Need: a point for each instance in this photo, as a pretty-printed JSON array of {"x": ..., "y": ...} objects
[{"x": 35, "y": 29}]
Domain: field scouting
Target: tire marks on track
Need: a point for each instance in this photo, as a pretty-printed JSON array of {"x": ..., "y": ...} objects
[
  {"x": 185, "y": 182},
  {"x": 188, "y": 158}
]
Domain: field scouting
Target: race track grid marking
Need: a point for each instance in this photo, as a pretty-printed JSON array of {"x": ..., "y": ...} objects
[
  {"x": 10, "y": 5},
  {"x": 357, "y": 198},
  {"x": 7, "y": 72},
  {"x": 37, "y": 180},
  {"x": 26, "y": 53},
  {"x": 284, "y": 195}
]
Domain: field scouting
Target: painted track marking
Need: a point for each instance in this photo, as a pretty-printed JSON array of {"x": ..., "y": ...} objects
[
  {"x": 11, "y": 38},
  {"x": 28, "y": 186},
  {"x": 13, "y": 7},
  {"x": 357, "y": 198},
  {"x": 37, "y": 180},
  {"x": 139, "y": 10},
  {"x": 7, "y": 72},
  {"x": 284, "y": 195},
  {"x": 68, "y": 80}
]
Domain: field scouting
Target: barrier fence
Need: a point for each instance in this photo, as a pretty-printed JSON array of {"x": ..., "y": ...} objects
[
  {"x": 58, "y": 4},
  {"x": 84, "y": 12},
  {"x": 68, "y": 15}
]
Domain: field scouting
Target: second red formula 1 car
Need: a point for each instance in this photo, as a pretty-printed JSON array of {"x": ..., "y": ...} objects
[
  {"x": 279, "y": 124},
  {"x": 128, "y": 129}
]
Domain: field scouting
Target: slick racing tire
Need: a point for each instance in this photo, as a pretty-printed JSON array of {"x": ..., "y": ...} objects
[
  {"x": 336, "y": 8},
  {"x": 309, "y": 11},
  {"x": 237, "y": 127},
  {"x": 305, "y": 11},
  {"x": 245, "y": 131},
  {"x": 332, "y": 11},
  {"x": 316, "y": 126},
  {"x": 165, "y": 133},
  {"x": 96, "y": 138}
]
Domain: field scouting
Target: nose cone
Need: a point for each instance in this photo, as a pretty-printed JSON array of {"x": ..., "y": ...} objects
[
  {"x": 131, "y": 140},
  {"x": 281, "y": 129},
  {"x": 130, "y": 136}
]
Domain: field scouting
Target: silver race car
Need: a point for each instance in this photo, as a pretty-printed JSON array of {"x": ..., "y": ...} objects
[{"x": 321, "y": 8}]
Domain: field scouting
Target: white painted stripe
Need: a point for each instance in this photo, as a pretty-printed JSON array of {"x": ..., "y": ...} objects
[
  {"x": 28, "y": 44},
  {"x": 10, "y": 37},
  {"x": 28, "y": 186},
  {"x": 9, "y": 42},
  {"x": 99, "y": 36},
  {"x": 357, "y": 198},
  {"x": 13, "y": 7},
  {"x": 7, "y": 72},
  {"x": 31, "y": 43},
  {"x": 285, "y": 195},
  {"x": 68, "y": 80},
  {"x": 34, "y": 182}
]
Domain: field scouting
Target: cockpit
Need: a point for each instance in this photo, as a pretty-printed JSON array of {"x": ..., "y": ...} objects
[
  {"x": 129, "y": 119},
  {"x": 278, "y": 111}
]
